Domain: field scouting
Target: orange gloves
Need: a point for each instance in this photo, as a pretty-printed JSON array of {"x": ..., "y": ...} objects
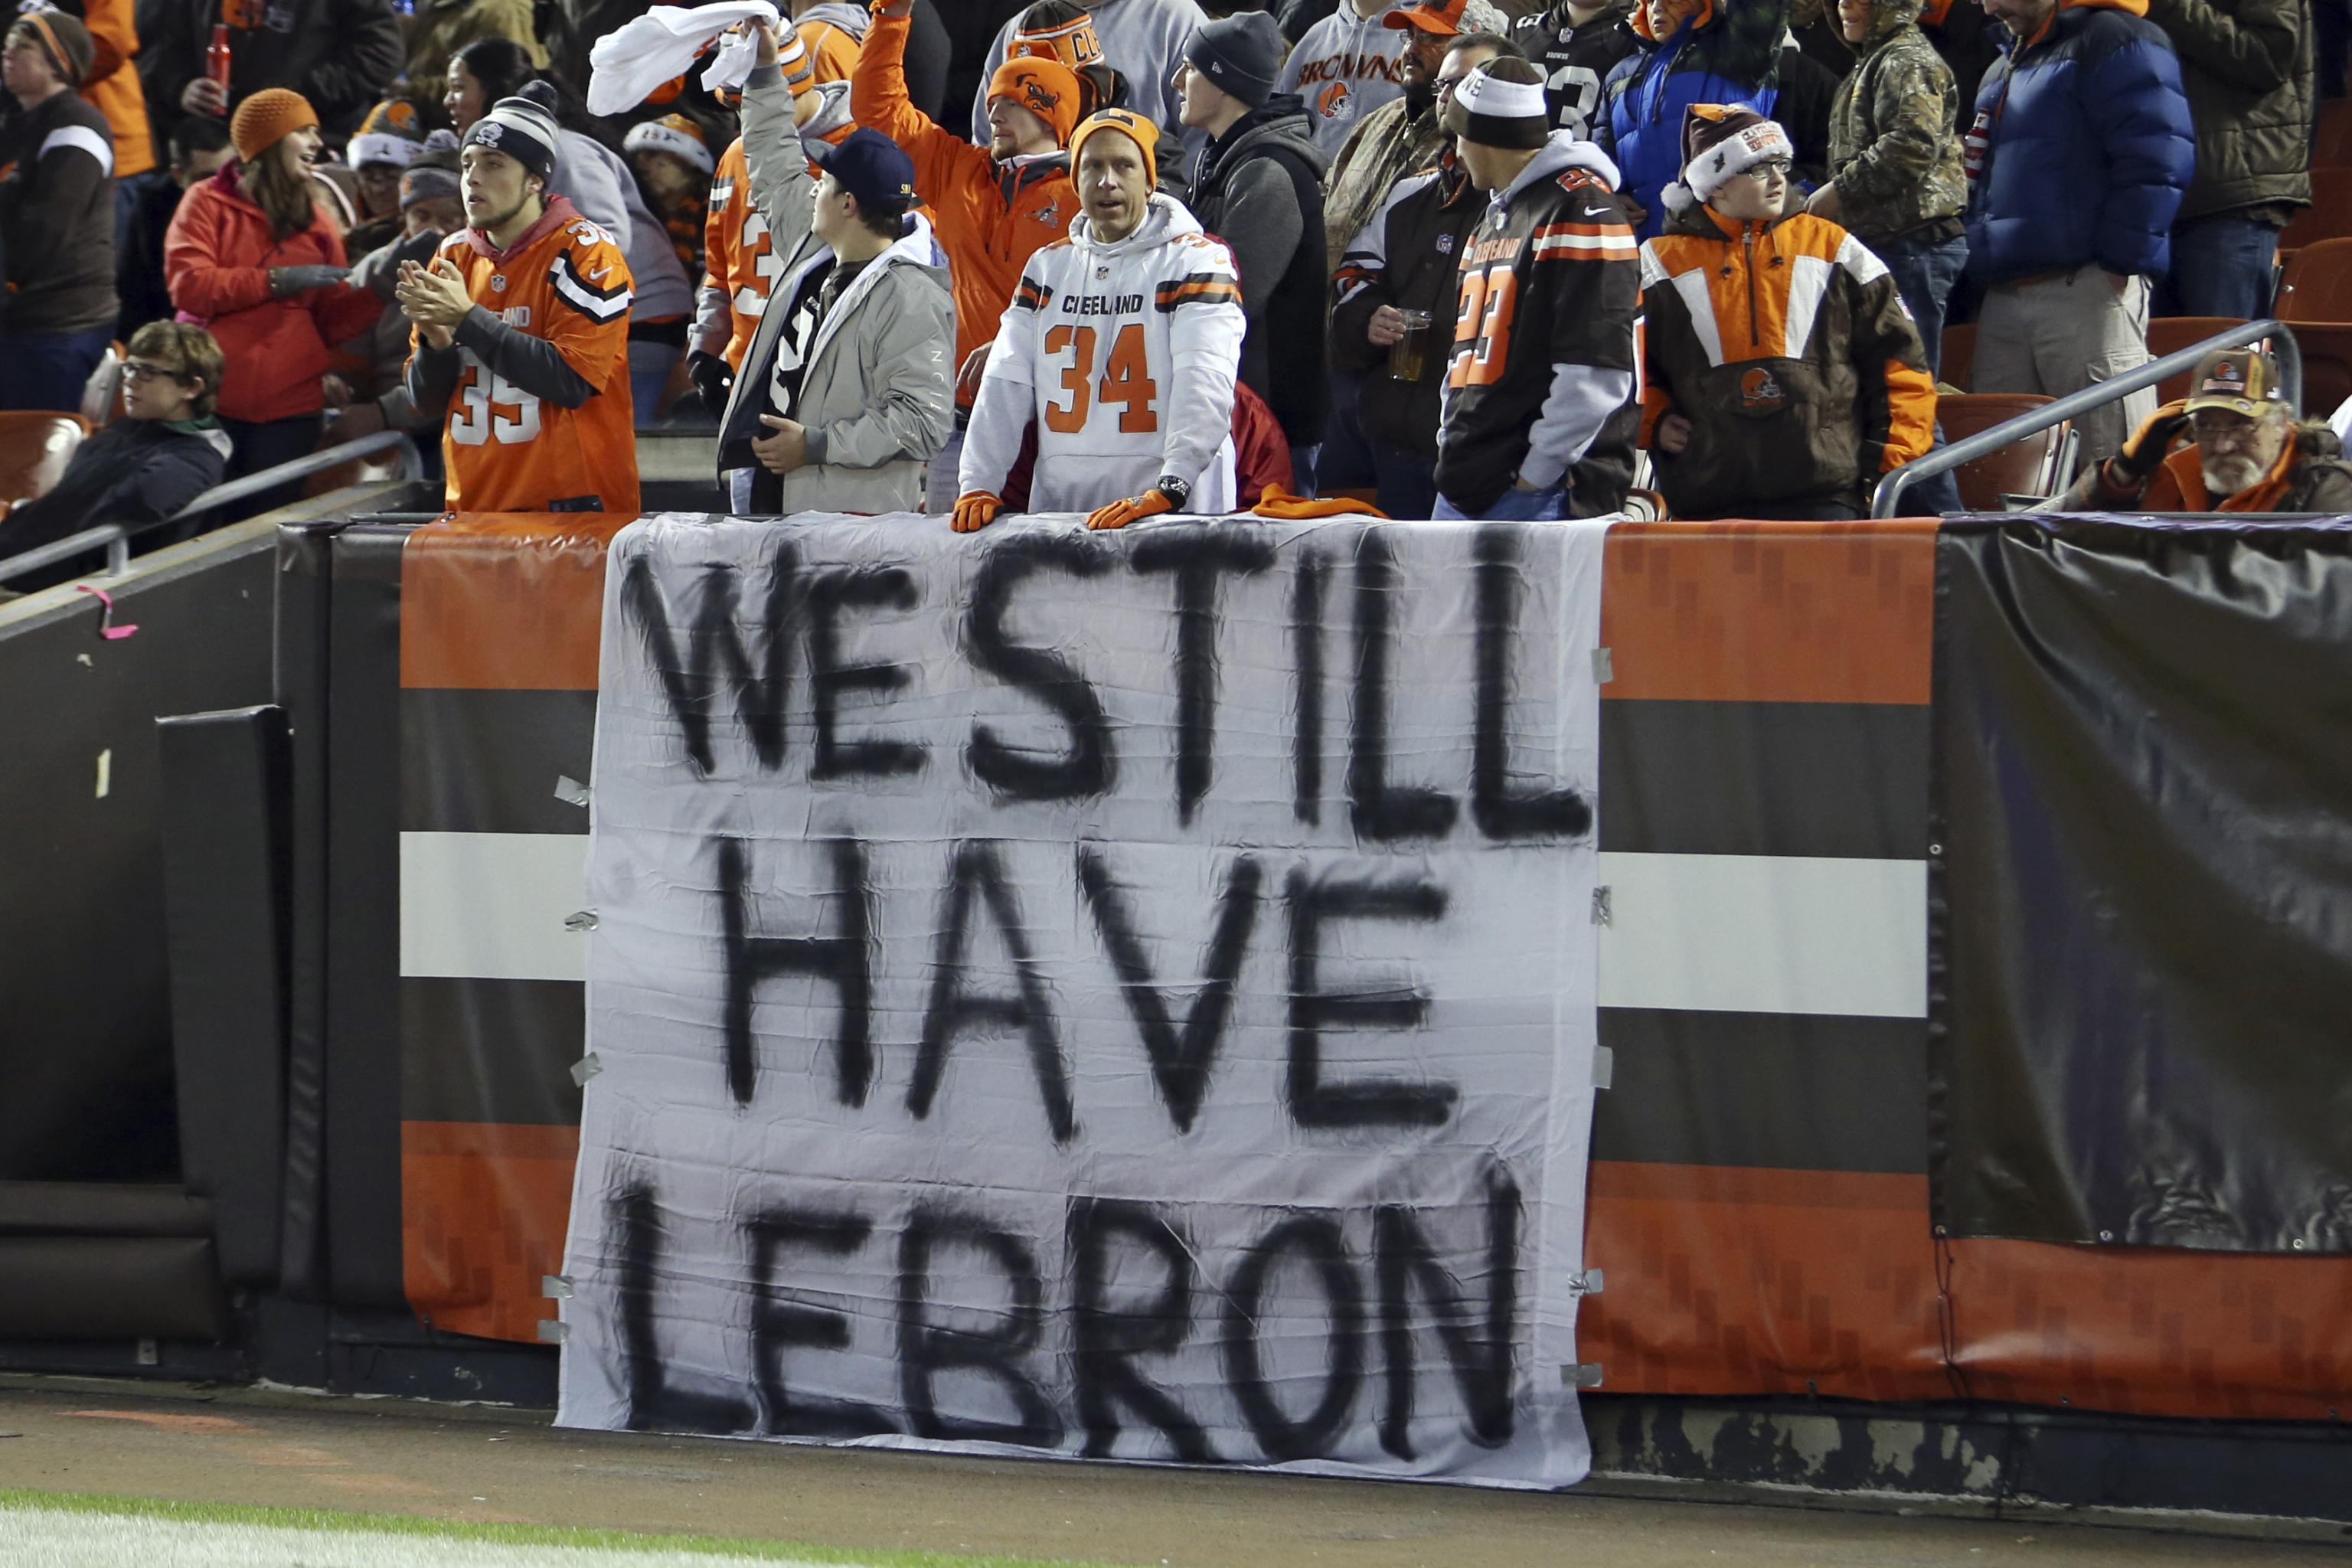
[
  {"x": 1277, "y": 502},
  {"x": 1120, "y": 513},
  {"x": 975, "y": 509}
]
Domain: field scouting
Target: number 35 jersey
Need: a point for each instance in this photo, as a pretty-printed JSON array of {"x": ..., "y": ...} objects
[
  {"x": 1123, "y": 354},
  {"x": 541, "y": 418}
]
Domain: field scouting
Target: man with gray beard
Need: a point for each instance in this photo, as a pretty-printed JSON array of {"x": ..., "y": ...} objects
[{"x": 2244, "y": 453}]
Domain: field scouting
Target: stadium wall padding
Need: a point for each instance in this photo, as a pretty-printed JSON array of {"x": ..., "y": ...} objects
[
  {"x": 1761, "y": 1196},
  {"x": 86, "y": 1079}
]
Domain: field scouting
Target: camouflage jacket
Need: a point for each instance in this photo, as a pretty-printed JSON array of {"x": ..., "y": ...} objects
[
  {"x": 1894, "y": 139},
  {"x": 1386, "y": 145}
]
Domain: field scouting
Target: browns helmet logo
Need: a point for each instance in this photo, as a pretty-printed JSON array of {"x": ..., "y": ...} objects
[
  {"x": 1758, "y": 393},
  {"x": 1042, "y": 99},
  {"x": 1332, "y": 102}
]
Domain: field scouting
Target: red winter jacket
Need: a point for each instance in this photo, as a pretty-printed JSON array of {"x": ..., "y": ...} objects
[{"x": 217, "y": 259}]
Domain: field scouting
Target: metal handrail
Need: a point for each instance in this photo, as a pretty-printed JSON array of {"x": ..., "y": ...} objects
[
  {"x": 1888, "y": 496},
  {"x": 115, "y": 538}
]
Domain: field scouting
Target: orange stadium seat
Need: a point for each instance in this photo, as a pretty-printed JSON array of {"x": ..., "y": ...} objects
[
  {"x": 2334, "y": 148},
  {"x": 2170, "y": 334},
  {"x": 35, "y": 448},
  {"x": 2026, "y": 468},
  {"x": 2318, "y": 283},
  {"x": 2326, "y": 366},
  {"x": 2329, "y": 215}
]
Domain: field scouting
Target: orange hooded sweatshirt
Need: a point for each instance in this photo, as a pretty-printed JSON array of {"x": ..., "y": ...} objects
[{"x": 990, "y": 217}]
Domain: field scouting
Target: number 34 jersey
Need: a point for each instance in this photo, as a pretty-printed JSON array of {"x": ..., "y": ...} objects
[
  {"x": 1123, "y": 354},
  {"x": 520, "y": 436}
]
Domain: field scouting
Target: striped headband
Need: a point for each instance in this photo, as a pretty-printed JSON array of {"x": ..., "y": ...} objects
[{"x": 1498, "y": 113}]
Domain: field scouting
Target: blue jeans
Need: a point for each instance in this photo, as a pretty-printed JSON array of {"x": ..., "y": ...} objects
[
  {"x": 650, "y": 364},
  {"x": 1924, "y": 271},
  {"x": 49, "y": 370},
  {"x": 1515, "y": 505},
  {"x": 2221, "y": 267}
]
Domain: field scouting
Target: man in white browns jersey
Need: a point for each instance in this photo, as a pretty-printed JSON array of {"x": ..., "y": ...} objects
[{"x": 1120, "y": 345}]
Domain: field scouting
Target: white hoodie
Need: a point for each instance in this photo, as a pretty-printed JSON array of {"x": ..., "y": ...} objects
[{"x": 1124, "y": 354}]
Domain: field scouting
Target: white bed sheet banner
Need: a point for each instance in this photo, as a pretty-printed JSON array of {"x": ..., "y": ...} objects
[{"x": 1123, "y": 995}]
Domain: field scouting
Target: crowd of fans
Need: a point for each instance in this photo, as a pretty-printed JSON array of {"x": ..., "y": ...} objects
[{"x": 1446, "y": 257}]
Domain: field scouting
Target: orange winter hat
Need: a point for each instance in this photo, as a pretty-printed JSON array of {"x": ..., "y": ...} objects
[
  {"x": 1142, "y": 131},
  {"x": 1046, "y": 88},
  {"x": 267, "y": 117}
]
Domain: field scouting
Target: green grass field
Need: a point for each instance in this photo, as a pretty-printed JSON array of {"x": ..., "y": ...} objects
[{"x": 53, "y": 1530}]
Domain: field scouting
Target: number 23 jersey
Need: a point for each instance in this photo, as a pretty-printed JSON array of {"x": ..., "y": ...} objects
[{"x": 508, "y": 448}]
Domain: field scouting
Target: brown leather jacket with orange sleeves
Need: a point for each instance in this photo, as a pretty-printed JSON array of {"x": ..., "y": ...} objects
[{"x": 1786, "y": 347}]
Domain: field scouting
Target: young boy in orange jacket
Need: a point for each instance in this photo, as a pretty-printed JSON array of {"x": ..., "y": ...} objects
[{"x": 1784, "y": 376}]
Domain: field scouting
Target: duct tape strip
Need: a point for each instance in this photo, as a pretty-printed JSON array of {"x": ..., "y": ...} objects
[
  {"x": 1580, "y": 1374},
  {"x": 1604, "y": 668},
  {"x": 570, "y": 791},
  {"x": 586, "y": 1068},
  {"x": 1604, "y": 1066},
  {"x": 557, "y": 1287},
  {"x": 553, "y": 1332}
]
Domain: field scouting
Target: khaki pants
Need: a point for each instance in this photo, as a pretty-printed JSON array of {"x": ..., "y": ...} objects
[{"x": 2059, "y": 334}]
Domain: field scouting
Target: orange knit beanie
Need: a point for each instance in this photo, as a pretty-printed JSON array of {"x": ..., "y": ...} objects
[
  {"x": 1046, "y": 88},
  {"x": 267, "y": 117}
]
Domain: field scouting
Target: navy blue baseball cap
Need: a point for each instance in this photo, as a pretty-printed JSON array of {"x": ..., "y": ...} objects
[{"x": 873, "y": 169}]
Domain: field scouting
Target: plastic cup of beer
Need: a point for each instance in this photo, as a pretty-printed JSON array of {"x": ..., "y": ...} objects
[{"x": 1408, "y": 355}]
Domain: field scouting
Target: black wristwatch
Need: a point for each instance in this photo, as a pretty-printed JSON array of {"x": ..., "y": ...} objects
[{"x": 1177, "y": 492}]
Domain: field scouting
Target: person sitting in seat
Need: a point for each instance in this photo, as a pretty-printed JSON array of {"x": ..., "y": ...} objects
[
  {"x": 2246, "y": 452},
  {"x": 165, "y": 451}
]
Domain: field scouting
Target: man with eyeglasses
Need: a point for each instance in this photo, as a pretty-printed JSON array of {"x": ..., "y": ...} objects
[
  {"x": 165, "y": 451},
  {"x": 1784, "y": 374},
  {"x": 2244, "y": 451}
]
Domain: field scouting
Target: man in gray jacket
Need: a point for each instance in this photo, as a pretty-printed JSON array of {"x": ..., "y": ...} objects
[{"x": 857, "y": 396}]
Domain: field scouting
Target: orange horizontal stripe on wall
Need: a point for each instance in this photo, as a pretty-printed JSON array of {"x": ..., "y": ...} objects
[
  {"x": 1770, "y": 612},
  {"x": 2150, "y": 1332},
  {"x": 504, "y": 601},
  {"x": 1736, "y": 1280},
  {"x": 484, "y": 1207}
]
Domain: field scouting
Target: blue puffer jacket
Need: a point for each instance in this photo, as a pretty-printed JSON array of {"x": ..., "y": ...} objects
[
  {"x": 1728, "y": 52},
  {"x": 2087, "y": 148}
]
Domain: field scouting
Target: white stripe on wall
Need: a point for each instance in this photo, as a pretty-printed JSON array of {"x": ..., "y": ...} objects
[
  {"x": 491, "y": 906},
  {"x": 1715, "y": 933},
  {"x": 1751, "y": 934}
]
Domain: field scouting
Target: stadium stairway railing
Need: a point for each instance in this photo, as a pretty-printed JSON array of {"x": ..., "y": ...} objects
[
  {"x": 1887, "y": 501},
  {"x": 115, "y": 538}
]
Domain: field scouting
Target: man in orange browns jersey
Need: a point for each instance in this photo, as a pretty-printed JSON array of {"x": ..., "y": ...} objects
[{"x": 522, "y": 335}]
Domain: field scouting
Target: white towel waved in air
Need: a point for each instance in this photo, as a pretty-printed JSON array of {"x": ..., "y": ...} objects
[{"x": 645, "y": 51}]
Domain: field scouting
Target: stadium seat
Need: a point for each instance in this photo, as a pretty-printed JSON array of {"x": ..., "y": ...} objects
[
  {"x": 2317, "y": 283},
  {"x": 101, "y": 395},
  {"x": 2334, "y": 148},
  {"x": 358, "y": 471},
  {"x": 35, "y": 448},
  {"x": 2329, "y": 215},
  {"x": 2170, "y": 334},
  {"x": 2326, "y": 366},
  {"x": 2025, "y": 468}
]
